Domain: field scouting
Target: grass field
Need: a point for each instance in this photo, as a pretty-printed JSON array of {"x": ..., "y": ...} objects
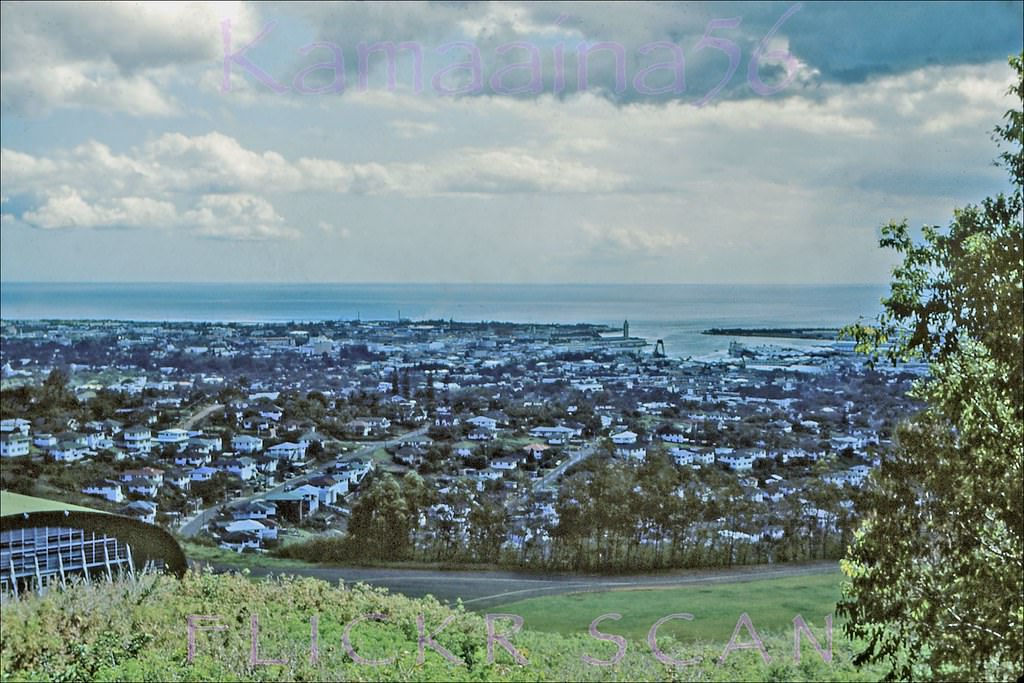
[{"x": 771, "y": 604}]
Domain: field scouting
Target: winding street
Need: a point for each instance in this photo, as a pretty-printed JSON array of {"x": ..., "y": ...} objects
[{"x": 194, "y": 419}]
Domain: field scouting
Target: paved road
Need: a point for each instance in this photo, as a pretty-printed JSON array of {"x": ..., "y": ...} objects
[
  {"x": 196, "y": 524},
  {"x": 551, "y": 478},
  {"x": 481, "y": 589},
  {"x": 202, "y": 414}
]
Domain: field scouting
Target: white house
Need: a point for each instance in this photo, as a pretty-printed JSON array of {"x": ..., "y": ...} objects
[
  {"x": 111, "y": 490},
  {"x": 143, "y": 487},
  {"x": 705, "y": 458},
  {"x": 174, "y": 437},
  {"x": 142, "y": 510},
  {"x": 623, "y": 438},
  {"x": 741, "y": 462},
  {"x": 244, "y": 443},
  {"x": 552, "y": 432},
  {"x": 480, "y": 434},
  {"x": 16, "y": 424},
  {"x": 252, "y": 526},
  {"x": 192, "y": 457},
  {"x": 207, "y": 443},
  {"x": 506, "y": 463},
  {"x": 535, "y": 450},
  {"x": 153, "y": 473},
  {"x": 178, "y": 479},
  {"x": 138, "y": 439},
  {"x": 240, "y": 541},
  {"x": 69, "y": 451},
  {"x": 355, "y": 470},
  {"x": 257, "y": 509},
  {"x": 631, "y": 451},
  {"x": 14, "y": 444},
  {"x": 272, "y": 413},
  {"x": 484, "y": 422},
  {"x": 243, "y": 468},
  {"x": 682, "y": 456},
  {"x": 672, "y": 435},
  {"x": 202, "y": 474},
  {"x": 288, "y": 451},
  {"x": 331, "y": 489}
]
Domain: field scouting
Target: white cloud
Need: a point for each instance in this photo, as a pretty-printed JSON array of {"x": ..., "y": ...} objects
[
  {"x": 242, "y": 217},
  {"x": 66, "y": 208},
  {"x": 335, "y": 230},
  {"x": 633, "y": 239},
  {"x": 217, "y": 163},
  {"x": 413, "y": 129},
  {"x": 109, "y": 56}
]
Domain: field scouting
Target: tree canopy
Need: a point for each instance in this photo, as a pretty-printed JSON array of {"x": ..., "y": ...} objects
[{"x": 936, "y": 573}]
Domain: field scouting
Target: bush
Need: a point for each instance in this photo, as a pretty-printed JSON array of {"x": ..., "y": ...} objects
[{"x": 137, "y": 630}]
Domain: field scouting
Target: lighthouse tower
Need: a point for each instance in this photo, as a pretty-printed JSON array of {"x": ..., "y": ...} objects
[{"x": 625, "y": 329}]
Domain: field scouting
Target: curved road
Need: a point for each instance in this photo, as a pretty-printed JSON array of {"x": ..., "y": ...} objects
[
  {"x": 482, "y": 589},
  {"x": 189, "y": 422}
]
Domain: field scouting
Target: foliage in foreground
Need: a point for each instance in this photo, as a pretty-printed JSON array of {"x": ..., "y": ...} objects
[
  {"x": 937, "y": 571},
  {"x": 136, "y": 630}
]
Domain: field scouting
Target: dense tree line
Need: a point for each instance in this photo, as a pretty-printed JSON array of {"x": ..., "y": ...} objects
[{"x": 612, "y": 516}]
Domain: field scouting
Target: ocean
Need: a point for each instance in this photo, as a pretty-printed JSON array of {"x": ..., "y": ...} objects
[{"x": 675, "y": 313}]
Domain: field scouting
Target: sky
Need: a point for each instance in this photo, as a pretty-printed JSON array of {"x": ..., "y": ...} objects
[{"x": 495, "y": 142}]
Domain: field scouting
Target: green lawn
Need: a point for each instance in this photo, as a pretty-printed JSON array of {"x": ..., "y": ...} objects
[{"x": 771, "y": 604}]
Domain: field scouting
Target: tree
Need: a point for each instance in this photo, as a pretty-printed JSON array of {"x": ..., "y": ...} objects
[
  {"x": 381, "y": 524},
  {"x": 935, "y": 572}
]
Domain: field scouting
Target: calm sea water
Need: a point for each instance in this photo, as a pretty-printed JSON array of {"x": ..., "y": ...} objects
[{"x": 675, "y": 313}]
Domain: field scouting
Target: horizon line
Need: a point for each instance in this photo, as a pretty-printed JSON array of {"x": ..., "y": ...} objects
[{"x": 444, "y": 284}]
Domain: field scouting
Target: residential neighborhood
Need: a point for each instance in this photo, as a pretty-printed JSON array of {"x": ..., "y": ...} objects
[{"x": 251, "y": 437}]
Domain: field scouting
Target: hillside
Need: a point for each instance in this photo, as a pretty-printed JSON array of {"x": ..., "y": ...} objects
[{"x": 137, "y": 630}]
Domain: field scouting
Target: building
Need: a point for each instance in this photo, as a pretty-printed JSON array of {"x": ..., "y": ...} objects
[
  {"x": 14, "y": 444},
  {"x": 138, "y": 439},
  {"x": 44, "y": 542},
  {"x": 244, "y": 443},
  {"x": 107, "y": 488},
  {"x": 624, "y": 438},
  {"x": 173, "y": 437},
  {"x": 288, "y": 451}
]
